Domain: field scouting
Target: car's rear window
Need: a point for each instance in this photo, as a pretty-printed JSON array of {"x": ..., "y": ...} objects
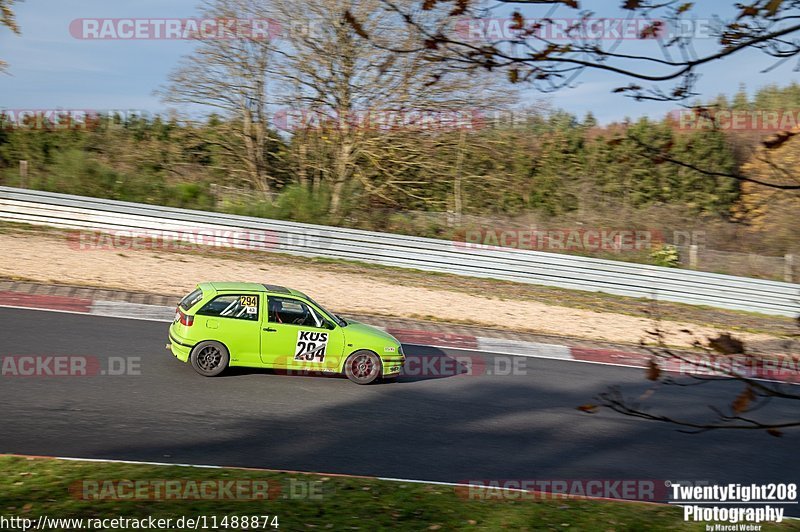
[{"x": 191, "y": 300}]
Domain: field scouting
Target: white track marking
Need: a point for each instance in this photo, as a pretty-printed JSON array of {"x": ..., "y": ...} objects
[
  {"x": 19, "y": 307},
  {"x": 526, "y": 349},
  {"x": 123, "y": 309}
]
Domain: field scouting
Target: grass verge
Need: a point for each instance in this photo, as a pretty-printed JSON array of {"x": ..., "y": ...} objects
[{"x": 30, "y": 487}]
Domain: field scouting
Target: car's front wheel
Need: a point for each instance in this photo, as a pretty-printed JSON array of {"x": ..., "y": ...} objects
[
  {"x": 363, "y": 367},
  {"x": 209, "y": 358}
]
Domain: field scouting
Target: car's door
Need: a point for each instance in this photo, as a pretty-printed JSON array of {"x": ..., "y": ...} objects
[
  {"x": 234, "y": 320},
  {"x": 297, "y": 335}
]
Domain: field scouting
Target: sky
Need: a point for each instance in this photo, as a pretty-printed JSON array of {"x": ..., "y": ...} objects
[{"x": 51, "y": 69}]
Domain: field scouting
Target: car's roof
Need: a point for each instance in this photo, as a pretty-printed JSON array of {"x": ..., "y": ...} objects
[{"x": 252, "y": 287}]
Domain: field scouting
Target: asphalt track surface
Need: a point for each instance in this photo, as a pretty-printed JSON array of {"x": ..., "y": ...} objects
[{"x": 449, "y": 428}]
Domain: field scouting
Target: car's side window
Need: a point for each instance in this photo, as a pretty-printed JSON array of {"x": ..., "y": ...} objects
[
  {"x": 292, "y": 312},
  {"x": 240, "y": 307}
]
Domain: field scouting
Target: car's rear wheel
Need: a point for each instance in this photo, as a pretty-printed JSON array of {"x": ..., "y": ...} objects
[
  {"x": 363, "y": 367},
  {"x": 209, "y": 358}
]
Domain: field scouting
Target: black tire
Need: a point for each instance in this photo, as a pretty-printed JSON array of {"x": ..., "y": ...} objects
[
  {"x": 209, "y": 358},
  {"x": 363, "y": 367}
]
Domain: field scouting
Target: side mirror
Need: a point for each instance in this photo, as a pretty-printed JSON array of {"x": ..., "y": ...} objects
[{"x": 328, "y": 325}]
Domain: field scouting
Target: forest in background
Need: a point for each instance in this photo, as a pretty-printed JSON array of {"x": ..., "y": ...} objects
[{"x": 516, "y": 167}]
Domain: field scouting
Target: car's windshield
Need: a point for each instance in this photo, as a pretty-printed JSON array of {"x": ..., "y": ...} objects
[{"x": 341, "y": 322}]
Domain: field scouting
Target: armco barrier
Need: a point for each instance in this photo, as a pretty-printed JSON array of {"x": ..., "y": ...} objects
[{"x": 525, "y": 266}]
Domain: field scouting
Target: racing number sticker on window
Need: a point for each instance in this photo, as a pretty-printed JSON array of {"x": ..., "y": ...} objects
[
  {"x": 248, "y": 301},
  {"x": 311, "y": 346},
  {"x": 250, "y": 304}
]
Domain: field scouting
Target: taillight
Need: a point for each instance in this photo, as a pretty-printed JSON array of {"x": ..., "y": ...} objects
[{"x": 185, "y": 319}]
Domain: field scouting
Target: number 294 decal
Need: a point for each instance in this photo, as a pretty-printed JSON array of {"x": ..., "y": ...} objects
[
  {"x": 248, "y": 301},
  {"x": 311, "y": 346}
]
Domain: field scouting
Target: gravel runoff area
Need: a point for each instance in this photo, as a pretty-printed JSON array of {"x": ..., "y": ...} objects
[{"x": 50, "y": 257}]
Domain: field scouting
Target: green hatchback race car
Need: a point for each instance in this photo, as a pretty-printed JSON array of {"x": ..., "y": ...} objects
[{"x": 219, "y": 325}]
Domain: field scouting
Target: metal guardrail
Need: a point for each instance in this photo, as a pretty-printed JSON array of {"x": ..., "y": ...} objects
[{"x": 524, "y": 266}]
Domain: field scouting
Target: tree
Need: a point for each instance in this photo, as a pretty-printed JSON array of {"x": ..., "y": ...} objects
[
  {"x": 550, "y": 60},
  {"x": 373, "y": 113},
  {"x": 664, "y": 57},
  {"x": 230, "y": 75},
  {"x": 8, "y": 20},
  {"x": 773, "y": 212},
  {"x": 557, "y": 166},
  {"x": 723, "y": 359}
]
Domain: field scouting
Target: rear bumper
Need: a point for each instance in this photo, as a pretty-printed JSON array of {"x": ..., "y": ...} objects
[{"x": 179, "y": 349}]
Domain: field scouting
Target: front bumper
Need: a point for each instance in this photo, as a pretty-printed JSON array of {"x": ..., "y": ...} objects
[{"x": 392, "y": 366}]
